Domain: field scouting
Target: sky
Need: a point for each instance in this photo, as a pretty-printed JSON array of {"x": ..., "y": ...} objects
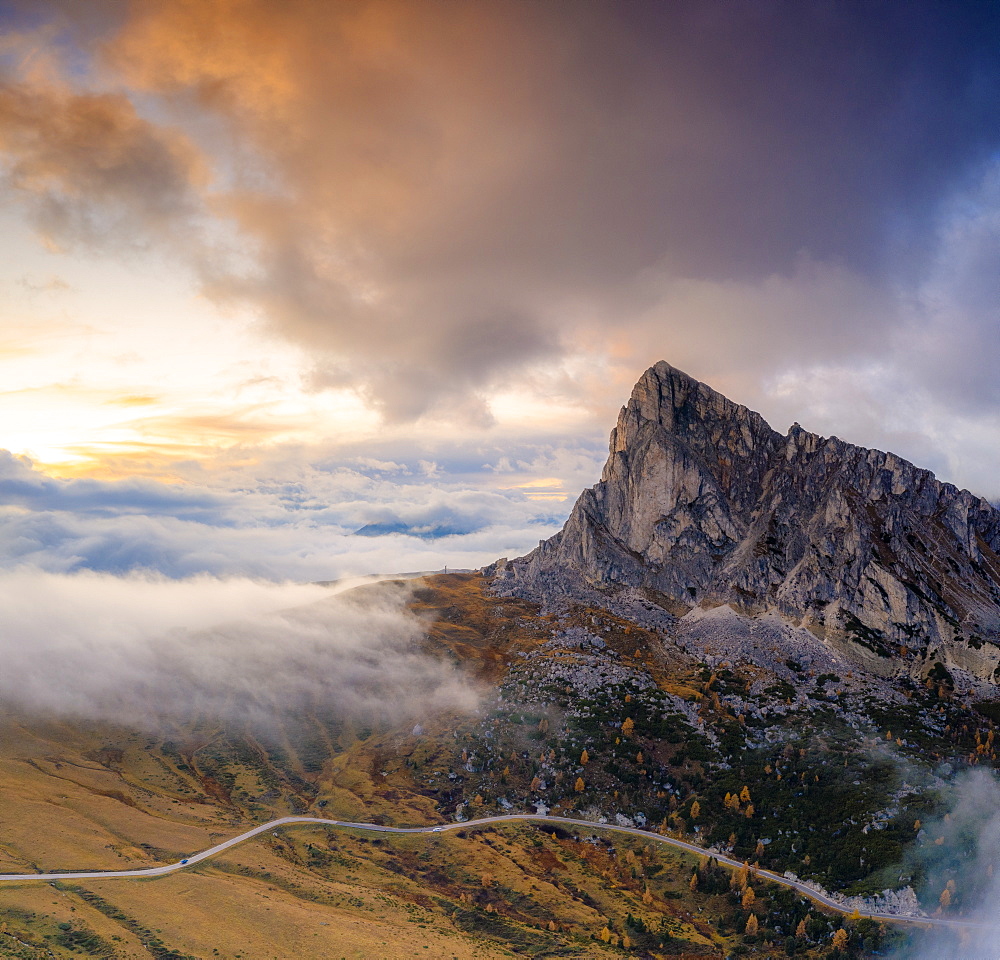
[{"x": 275, "y": 273}]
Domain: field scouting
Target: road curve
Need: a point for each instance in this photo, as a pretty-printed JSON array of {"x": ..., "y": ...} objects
[{"x": 768, "y": 875}]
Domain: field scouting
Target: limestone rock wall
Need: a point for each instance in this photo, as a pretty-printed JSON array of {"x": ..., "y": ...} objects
[{"x": 703, "y": 503}]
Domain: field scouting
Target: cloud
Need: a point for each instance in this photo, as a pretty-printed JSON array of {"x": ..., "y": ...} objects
[
  {"x": 438, "y": 203},
  {"x": 94, "y": 171},
  {"x": 147, "y": 651},
  {"x": 23, "y": 486},
  {"x": 961, "y": 853},
  {"x": 289, "y": 517}
]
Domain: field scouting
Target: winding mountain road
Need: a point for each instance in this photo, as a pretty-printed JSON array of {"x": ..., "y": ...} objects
[{"x": 798, "y": 886}]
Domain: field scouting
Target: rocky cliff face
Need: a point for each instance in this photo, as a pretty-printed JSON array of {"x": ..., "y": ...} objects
[{"x": 701, "y": 503}]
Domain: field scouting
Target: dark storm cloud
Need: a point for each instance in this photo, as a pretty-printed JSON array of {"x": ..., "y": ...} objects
[{"x": 833, "y": 128}]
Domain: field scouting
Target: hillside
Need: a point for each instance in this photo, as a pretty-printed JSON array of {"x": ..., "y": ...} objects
[
  {"x": 90, "y": 796},
  {"x": 781, "y": 649},
  {"x": 561, "y": 684}
]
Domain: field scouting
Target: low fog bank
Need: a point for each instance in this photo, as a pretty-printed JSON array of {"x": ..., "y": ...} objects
[
  {"x": 959, "y": 856},
  {"x": 147, "y": 651}
]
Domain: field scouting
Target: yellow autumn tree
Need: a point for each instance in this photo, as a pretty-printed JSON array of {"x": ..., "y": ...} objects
[
  {"x": 748, "y": 898},
  {"x": 695, "y": 810},
  {"x": 800, "y": 930},
  {"x": 745, "y": 794},
  {"x": 840, "y": 940},
  {"x": 606, "y": 935},
  {"x": 579, "y": 786},
  {"x": 945, "y": 899},
  {"x": 752, "y": 926},
  {"x": 584, "y": 758},
  {"x": 748, "y": 813},
  {"x": 628, "y": 727}
]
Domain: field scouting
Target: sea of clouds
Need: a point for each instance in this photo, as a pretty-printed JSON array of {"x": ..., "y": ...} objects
[{"x": 296, "y": 520}]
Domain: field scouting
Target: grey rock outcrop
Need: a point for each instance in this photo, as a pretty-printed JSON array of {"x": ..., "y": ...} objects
[{"x": 701, "y": 503}]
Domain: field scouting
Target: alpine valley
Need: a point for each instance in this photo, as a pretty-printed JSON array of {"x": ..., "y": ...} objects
[{"x": 783, "y": 649}]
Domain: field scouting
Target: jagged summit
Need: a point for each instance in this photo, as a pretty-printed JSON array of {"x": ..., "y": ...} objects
[{"x": 703, "y": 503}]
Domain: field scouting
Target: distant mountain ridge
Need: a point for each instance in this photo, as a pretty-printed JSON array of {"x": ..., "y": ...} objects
[{"x": 702, "y": 503}]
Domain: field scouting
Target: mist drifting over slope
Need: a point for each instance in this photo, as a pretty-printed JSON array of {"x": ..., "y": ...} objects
[
  {"x": 143, "y": 650},
  {"x": 960, "y": 853}
]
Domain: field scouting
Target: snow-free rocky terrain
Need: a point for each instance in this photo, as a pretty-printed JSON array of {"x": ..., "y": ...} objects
[
  {"x": 818, "y": 620},
  {"x": 703, "y": 504}
]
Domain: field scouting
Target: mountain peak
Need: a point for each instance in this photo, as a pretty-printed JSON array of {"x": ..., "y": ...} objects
[{"x": 702, "y": 503}]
